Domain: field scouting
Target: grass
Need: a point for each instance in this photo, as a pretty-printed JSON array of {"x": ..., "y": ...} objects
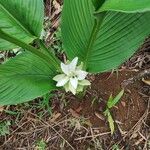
[
  {"x": 41, "y": 145},
  {"x": 4, "y": 128}
]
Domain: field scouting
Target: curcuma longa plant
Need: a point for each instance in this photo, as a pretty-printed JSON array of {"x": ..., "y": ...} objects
[{"x": 99, "y": 34}]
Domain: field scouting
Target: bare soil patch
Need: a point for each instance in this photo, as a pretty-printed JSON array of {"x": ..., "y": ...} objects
[{"x": 127, "y": 112}]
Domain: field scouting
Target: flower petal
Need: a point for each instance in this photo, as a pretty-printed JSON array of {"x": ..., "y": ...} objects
[
  {"x": 65, "y": 68},
  {"x": 62, "y": 82},
  {"x": 59, "y": 77},
  {"x": 81, "y": 74},
  {"x": 74, "y": 82},
  {"x": 84, "y": 82},
  {"x": 68, "y": 68},
  {"x": 73, "y": 64},
  {"x": 72, "y": 89}
]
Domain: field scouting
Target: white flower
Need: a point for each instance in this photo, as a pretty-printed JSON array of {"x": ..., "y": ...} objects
[{"x": 73, "y": 77}]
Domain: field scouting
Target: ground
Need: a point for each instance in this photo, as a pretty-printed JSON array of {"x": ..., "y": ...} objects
[{"x": 76, "y": 122}]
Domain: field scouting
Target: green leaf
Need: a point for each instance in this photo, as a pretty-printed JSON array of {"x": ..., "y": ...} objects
[
  {"x": 42, "y": 53},
  {"x": 113, "y": 101},
  {"x": 107, "y": 113},
  {"x": 105, "y": 43},
  {"x": 4, "y": 128},
  {"x": 98, "y": 3},
  {"x": 111, "y": 123},
  {"x": 128, "y": 6},
  {"x": 24, "y": 78},
  {"x": 109, "y": 100},
  {"x": 22, "y": 19}
]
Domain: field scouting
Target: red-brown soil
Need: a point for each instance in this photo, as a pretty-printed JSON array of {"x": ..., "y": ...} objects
[{"x": 127, "y": 112}]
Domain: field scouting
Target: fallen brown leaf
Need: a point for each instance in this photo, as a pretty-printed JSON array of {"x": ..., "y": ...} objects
[
  {"x": 79, "y": 109},
  {"x": 74, "y": 113}
]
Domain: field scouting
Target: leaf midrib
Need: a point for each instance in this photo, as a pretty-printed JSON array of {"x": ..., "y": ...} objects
[
  {"x": 15, "y": 20},
  {"x": 34, "y": 75},
  {"x": 96, "y": 27}
]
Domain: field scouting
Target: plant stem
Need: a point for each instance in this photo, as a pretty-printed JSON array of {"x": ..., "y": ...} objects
[
  {"x": 30, "y": 48},
  {"x": 49, "y": 52},
  {"x": 82, "y": 94}
]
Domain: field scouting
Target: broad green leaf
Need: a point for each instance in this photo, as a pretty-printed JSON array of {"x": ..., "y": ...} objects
[
  {"x": 22, "y": 19},
  {"x": 128, "y": 6},
  {"x": 98, "y": 3},
  {"x": 113, "y": 101},
  {"x": 24, "y": 78},
  {"x": 101, "y": 45},
  {"x": 42, "y": 52}
]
